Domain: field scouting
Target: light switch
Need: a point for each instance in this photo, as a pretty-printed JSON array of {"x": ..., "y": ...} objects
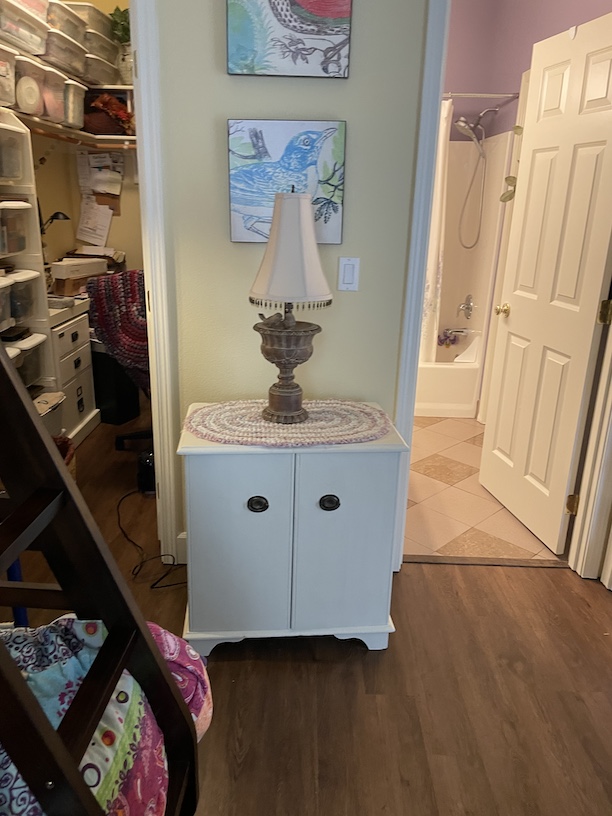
[{"x": 348, "y": 274}]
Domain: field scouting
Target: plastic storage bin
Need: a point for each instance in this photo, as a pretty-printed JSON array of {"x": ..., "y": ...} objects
[
  {"x": 23, "y": 294},
  {"x": 53, "y": 94},
  {"x": 13, "y": 226},
  {"x": 99, "y": 71},
  {"x": 11, "y": 166},
  {"x": 36, "y": 7},
  {"x": 29, "y": 86},
  {"x": 6, "y": 321},
  {"x": 64, "y": 19},
  {"x": 13, "y": 354},
  {"x": 64, "y": 52},
  {"x": 94, "y": 18},
  {"x": 7, "y": 75},
  {"x": 30, "y": 366},
  {"x": 74, "y": 99},
  {"x": 100, "y": 46},
  {"x": 21, "y": 28}
]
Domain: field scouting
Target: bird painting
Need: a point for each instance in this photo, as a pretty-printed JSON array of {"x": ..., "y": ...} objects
[
  {"x": 300, "y": 157},
  {"x": 289, "y": 37}
]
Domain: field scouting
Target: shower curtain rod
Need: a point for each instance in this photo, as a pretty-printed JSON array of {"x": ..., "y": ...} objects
[{"x": 450, "y": 95}]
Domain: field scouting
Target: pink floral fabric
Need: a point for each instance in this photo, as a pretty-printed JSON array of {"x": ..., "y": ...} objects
[{"x": 125, "y": 765}]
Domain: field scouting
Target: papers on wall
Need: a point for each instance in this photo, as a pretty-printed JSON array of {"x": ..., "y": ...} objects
[
  {"x": 83, "y": 171},
  {"x": 94, "y": 223},
  {"x": 100, "y": 175},
  {"x": 100, "y": 172}
]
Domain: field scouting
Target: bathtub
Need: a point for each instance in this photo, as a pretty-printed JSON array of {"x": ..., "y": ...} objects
[{"x": 448, "y": 389}]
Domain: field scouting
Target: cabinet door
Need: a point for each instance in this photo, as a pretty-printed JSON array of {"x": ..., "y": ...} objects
[
  {"x": 343, "y": 557},
  {"x": 239, "y": 560}
]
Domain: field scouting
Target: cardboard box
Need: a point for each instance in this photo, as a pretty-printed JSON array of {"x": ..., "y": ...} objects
[
  {"x": 78, "y": 268},
  {"x": 70, "y": 286}
]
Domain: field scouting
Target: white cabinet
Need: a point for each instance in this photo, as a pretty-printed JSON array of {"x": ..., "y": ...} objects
[{"x": 265, "y": 556}]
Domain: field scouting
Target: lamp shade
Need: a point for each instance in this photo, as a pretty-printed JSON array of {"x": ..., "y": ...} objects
[{"x": 291, "y": 268}]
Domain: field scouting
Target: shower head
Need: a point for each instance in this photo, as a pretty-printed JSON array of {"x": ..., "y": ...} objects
[{"x": 464, "y": 127}]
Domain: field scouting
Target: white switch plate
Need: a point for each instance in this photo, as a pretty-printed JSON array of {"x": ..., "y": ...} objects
[{"x": 348, "y": 274}]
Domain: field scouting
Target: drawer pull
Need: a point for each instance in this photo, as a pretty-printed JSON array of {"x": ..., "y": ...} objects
[
  {"x": 74, "y": 336},
  {"x": 77, "y": 362},
  {"x": 258, "y": 504},
  {"x": 81, "y": 405},
  {"x": 329, "y": 502}
]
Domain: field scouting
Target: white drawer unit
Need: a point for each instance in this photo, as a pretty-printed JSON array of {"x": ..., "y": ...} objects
[
  {"x": 290, "y": 541},
  {"x": 70, "y": 335},
  {"x": 72, "y": 355}
]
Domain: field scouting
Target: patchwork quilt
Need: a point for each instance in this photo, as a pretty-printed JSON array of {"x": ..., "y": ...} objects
[{"x": 125, "y": 763}]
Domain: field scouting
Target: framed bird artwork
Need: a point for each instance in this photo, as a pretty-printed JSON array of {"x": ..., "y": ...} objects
[
  {"x": 308, "y": 38},
  {"x": 269, "y": 156}
]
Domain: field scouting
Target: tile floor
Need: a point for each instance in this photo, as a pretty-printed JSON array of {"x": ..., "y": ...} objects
[{"x": 449, "y": 513}]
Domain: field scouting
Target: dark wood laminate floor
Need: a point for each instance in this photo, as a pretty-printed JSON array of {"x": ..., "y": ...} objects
[{"x": 494, "y": 697}]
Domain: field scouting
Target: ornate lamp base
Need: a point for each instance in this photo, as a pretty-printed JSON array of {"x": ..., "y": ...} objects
[{"x": 286, "y": 344}]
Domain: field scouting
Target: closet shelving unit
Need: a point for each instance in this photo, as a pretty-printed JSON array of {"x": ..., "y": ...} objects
[
  {"x": 21, "y": 247},
  {"x": 45, "y": 357},
  {"x": 43, "y": 127}
]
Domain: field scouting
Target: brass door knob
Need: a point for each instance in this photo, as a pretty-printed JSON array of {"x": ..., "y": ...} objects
[{"x": 503, "y": 310}]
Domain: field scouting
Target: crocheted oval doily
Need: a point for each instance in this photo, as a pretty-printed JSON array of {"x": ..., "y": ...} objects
[{"x": 330, "y": 422}]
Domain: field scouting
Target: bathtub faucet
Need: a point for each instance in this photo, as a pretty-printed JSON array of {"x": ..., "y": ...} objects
[{"x": 467, "y": 307}]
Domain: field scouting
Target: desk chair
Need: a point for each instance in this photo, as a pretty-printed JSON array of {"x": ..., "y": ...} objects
[{"x": 118, "y": 317}]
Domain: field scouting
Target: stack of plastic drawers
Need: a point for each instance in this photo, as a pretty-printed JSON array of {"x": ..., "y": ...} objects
[
  {"x": 23, "y": 24},
  {"x": 102, "y": 52}
]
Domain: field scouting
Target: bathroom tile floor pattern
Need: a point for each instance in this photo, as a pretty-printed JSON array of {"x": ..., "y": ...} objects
[{"x": 448, "y": 512}]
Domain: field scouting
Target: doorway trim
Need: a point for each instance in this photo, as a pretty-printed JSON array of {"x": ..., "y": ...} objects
[
  {"x": 438, "y": 12},
  {"x": 587, "y": 546},
  {"x": 159, "y": 283}
]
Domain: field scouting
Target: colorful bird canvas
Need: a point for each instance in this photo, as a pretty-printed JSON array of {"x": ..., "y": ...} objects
[
  {"x": 308, "y": 38},
  {"x": 269, "y": 156}
]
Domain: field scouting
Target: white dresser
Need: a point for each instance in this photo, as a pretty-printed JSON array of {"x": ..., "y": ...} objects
[
  {"x": 71, "y": 349},
  {"x": 290, "y": 541}
]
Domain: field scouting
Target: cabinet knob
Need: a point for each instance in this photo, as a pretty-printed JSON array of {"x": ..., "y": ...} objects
[
  {"x": 258, "y": 504},
  {"x": 329, "y": 502}
]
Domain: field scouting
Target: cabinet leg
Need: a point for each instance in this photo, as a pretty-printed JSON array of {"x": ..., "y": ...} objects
[{"x": 375, "y": 641}]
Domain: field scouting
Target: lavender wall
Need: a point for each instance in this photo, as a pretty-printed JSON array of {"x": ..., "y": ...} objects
[
  {"x": 470, "y": 52},
  {"x": 490, "y": 42}
]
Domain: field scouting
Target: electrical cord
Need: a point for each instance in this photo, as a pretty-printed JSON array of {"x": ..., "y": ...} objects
[{"x": 157, "y": 584}]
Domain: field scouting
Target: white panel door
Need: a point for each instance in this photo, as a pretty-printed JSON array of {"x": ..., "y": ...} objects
[
  {"x": 343, "y": 557},
  {"x": 240, "y": 569},
  {"x": 556, "y": 274}
]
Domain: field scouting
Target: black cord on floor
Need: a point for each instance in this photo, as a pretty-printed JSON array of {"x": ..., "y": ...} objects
[{"x": 157, "y": 584}]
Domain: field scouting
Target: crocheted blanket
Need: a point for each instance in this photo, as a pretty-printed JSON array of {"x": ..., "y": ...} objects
[{"x": 118, "y": 315}]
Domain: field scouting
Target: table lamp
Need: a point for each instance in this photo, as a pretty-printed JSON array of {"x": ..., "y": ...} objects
[
  {"x": 290, "y": 275},
  {"x": 57, "y": 216}
]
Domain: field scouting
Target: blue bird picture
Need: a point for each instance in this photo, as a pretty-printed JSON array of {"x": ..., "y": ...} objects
[{"x": 268, "y": 157}]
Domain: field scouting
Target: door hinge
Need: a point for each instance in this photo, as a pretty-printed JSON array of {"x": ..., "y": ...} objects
[
  {"x": 571, "y": 505},
  {"x": 605, "y": 313}
]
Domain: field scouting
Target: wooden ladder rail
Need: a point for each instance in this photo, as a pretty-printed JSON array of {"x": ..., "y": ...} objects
[{"x": 88, "y": 579}]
